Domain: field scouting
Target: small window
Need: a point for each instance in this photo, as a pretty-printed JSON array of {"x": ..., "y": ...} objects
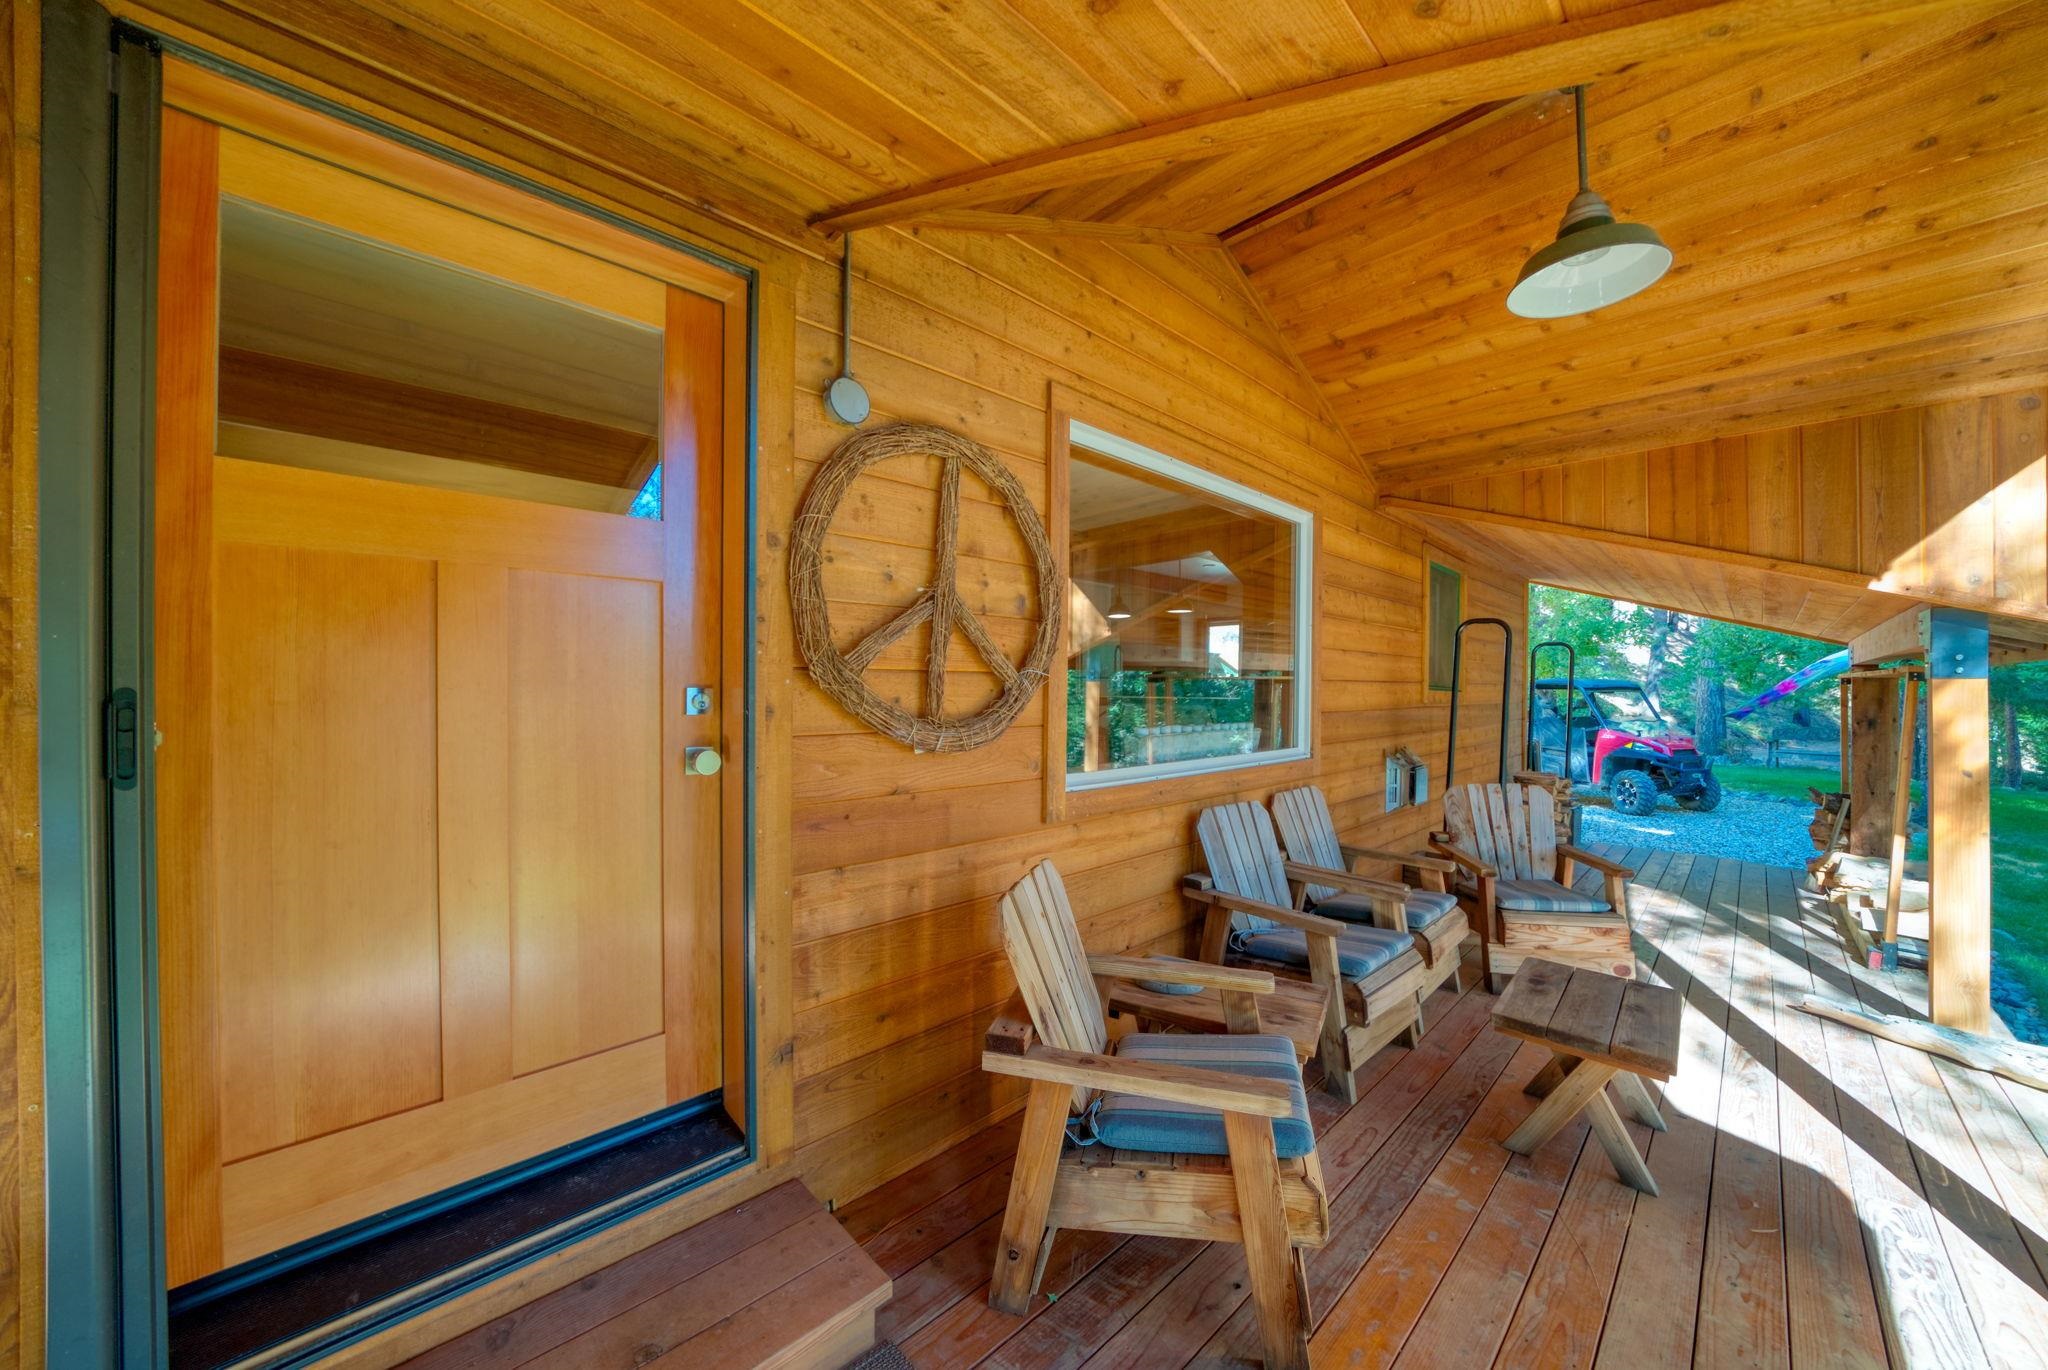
[
  {"x": 344, "y": 354},
  {"x": 1189, "y": 619},
  {"x": 1446, "y": 606}
]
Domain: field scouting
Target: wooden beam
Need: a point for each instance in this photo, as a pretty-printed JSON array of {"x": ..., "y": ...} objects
[
  {"x": 1632, "y": 40},
  {"x": 1331, "y": 185},
  {"x": 1031, "y": 225},
  {"x": 1893, "y": 640},
  {"x": 1959, "y": 822},
  {"x": 294, "y": 396}
]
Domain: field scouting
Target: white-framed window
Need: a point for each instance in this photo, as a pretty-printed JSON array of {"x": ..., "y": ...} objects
[{"x": 1190, "y": 622}]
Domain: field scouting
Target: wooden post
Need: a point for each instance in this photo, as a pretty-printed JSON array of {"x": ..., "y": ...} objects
[
  {"x": 1959, "y": 821},
  {"x": 1873, "y": 738},
  {"x": 1902, "y": 808}
]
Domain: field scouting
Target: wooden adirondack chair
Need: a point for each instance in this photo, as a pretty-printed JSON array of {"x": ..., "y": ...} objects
[
  {"x": 1254, "y": 894},
  {"x": 1516, "y": 879},
  {"x": 1427, "y": 911},
  {"x": 1197, "y": 1135}
]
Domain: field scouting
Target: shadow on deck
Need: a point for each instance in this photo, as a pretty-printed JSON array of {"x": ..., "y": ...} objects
[{"x": 1827, "y": 1197}]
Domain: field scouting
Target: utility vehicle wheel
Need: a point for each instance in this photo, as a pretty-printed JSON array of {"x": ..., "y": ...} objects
[
  {"x": 1707, "y": 800},
  {"x": 1633, "y": 792}
]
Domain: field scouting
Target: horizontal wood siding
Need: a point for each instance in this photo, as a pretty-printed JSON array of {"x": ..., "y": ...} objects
[
  {"x": 899, "y": 858},
  {"x": 1949, "y": 501}
]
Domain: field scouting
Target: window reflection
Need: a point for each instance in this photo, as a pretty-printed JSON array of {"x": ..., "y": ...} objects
[{"x": 1181, "y": 630}]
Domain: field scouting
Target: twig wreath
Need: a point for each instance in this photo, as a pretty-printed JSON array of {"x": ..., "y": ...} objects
[{"x": 840, "y": 674}]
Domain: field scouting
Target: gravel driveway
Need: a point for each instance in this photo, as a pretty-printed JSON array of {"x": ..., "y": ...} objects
[{"x": 1769, "y": 831}]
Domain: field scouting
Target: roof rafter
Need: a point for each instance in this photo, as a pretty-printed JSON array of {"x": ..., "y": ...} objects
[
  {"x": 1032, "y": 225},
  {"x": 1633, "y": 39}
]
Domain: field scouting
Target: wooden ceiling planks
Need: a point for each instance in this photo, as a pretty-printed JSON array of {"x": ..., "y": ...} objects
[
  {"x": 1760, "y": 592},
  {"x": 1896, "y": 253}
]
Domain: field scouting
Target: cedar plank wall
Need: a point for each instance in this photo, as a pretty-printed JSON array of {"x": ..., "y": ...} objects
[
  {"x": 20, "y": 923},
  {"x": 1951, "y": 498},
  {"x": 899, "y": 859}
]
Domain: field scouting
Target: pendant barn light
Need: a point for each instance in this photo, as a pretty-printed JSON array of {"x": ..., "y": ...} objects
[
  {"x": 1117, "y": 608},
  {"x": 1595, "y": 261},
  {"x": 1180, "y": 571}
]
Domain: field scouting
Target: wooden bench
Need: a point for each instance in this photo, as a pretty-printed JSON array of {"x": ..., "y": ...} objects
[
  {"x": 1598, "y": 1027},
  {"x": 773, "y": 1281},
  {"x": 1294, "y": 1009}
]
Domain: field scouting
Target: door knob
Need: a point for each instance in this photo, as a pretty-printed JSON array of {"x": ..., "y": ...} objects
[{"x": 702, "y": 760}]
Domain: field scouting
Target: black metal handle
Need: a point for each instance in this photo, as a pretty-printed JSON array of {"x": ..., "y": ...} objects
[
  {"x": 1507, "y": 681},
  {"x": 123, "y": 734},
  {"x": 1571, "y": 697}
]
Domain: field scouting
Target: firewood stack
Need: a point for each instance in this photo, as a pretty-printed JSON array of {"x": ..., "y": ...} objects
[
  {"x": 1560, "y": 788},
  {"x": 1830, "y": 823}
]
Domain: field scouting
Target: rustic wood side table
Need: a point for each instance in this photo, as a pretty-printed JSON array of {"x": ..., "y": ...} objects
[{"x": 1598, "y": 1027}]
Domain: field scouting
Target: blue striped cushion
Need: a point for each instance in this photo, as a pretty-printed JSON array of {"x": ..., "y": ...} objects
[
  {"x": 1362, "y": 949},
  {"x": 1546, "y": 896},
  {"x": 1136, "y": 1123},
  {"x": 1426, "y": 908},
  {"x": 1352, "y": 908}
]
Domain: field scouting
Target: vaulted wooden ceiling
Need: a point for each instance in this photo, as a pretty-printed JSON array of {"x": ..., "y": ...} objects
[
  {"x": 1853, "y": 187},
  {"x": 1859, "y": 224}
]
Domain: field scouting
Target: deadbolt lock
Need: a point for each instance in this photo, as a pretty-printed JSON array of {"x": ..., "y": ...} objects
[{"x": 697, "y": 700}]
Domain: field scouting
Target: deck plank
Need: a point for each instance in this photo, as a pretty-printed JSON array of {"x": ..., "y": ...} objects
[
  {"x": 1827, "y": 1200},
  {"x": 1832, "y": 1305}
]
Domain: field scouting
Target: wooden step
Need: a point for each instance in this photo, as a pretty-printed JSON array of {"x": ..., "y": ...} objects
[{"x": 771, "y": 1282}]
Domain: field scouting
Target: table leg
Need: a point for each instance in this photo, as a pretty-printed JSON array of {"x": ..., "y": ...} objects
[
  {"x": 1620, "y": 1147},
  {"x": 1572, "y": 1094},
  {"x": 1636, "y": 1095},
  {"x": 1551, "y": 1076}
]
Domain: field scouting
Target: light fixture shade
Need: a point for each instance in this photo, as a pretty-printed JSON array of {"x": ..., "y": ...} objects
[{"x": 1587, "y": 268}]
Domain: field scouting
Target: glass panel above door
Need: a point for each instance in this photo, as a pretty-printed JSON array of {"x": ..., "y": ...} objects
[{"x": 342, "y": 353}]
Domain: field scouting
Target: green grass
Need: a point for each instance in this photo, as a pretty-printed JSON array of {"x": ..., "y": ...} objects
[{"x": 2019, "y": 862}]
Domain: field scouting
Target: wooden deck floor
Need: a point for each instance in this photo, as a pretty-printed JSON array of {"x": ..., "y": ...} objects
[{"x": 1828, "y": 1199}]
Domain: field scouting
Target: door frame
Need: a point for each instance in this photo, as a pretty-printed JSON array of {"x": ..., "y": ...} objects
[{"x": 105, "y": 1298}]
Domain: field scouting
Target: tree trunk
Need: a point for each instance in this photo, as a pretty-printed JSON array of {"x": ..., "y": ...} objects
[
  {"x": 1709, "y": 711},
  {"x": 2012, "y": 771}
]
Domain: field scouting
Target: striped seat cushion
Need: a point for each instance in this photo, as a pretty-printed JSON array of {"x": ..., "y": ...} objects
[
  {"x": 1133, "y": 1122},
  {"x": 1424, "y": 907},
  {"x": 1362, "y": 949},
  {"x": 1545, "y": 896},
  {"x": 1427, "y": 908}
]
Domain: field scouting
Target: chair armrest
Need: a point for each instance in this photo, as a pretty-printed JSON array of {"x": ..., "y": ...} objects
[
  {"x": 1597, "y": 862},
  {"x": 1465, "y": 859},
  {"x": 1345, "y": 880},
  {"x": 1152, "y": 1079},
  {"x": 1011, "y": 1034},
  {"x": 1179, "y": 972},
  {"x": 1419, "y": 860},
  {"x": 1293, "y": 918}
]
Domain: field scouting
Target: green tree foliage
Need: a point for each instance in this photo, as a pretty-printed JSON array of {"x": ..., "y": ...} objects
[{"x": 1689, "y": 665}]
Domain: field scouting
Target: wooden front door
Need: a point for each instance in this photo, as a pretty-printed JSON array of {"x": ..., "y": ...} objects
[{"x": 440, "y": 684}]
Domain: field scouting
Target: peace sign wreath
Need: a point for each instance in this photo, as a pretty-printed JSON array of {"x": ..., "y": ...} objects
[{"x": 839, "y": 674}]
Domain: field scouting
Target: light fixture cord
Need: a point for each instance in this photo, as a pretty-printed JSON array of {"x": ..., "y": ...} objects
[
  {"x": 846, "y": 297},
  {"x": 1579, "y": 106}
]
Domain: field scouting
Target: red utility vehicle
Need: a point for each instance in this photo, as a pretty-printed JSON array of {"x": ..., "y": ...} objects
[{"x": 1621, "y": 743}]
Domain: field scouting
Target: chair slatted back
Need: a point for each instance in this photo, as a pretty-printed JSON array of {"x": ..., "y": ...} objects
[
  {"x": 1244, "y": 859},
  {"x": 1309, "y": 833},
  {"x": 1511, "y": 827},
  {"x": 1050, "y": 964}
]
